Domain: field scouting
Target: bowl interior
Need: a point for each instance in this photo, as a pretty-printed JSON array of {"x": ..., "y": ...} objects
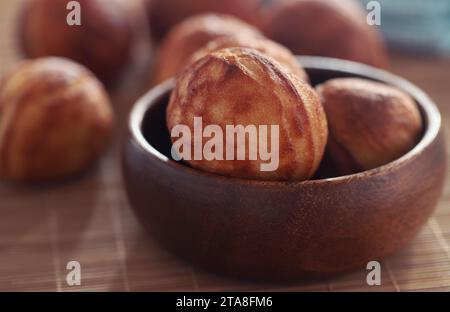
[
  {"x": 154, "y": 127},
  {"x": 149, "y": 117}
]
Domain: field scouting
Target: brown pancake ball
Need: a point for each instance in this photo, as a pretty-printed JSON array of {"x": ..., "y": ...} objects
[
  {"x": 164, "y": 14},
  {"x": 240, "y": 86},
  {"x": 265, "y": 46},
  {"x": 192, "y": 34},
  {"x": 332, "y": 28},
  {"x": 102, "y": 42},
  {"x": 55, "y": 120},
  {"x": 370, "y": 124}
]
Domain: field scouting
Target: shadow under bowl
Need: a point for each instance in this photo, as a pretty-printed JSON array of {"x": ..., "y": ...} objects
[{"x": 282, "y": 231}]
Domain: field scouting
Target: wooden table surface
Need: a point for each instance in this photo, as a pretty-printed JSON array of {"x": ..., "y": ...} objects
[{"x": 88, "y": 219}]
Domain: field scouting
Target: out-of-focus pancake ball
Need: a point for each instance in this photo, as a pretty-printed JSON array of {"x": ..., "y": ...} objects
[
  {"x": 332, "y": 28},
  {"x": 56, "y": 120},
  {"x": 164, "y": 14},
  {"x": 192, "y": 34},
  {"x": 102, "y": 42}
]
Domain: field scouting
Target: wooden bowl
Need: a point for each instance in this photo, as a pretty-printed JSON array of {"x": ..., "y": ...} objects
[{"x": 281, "y": 231}]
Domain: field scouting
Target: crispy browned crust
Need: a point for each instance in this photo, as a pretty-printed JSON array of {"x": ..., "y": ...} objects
[
  {"x": 55, "y": 120},
  {"x": 370, "y": 123},
  {"x": 165, "y": 14},
  {"x": 102, "y": 43},
  {"x": 191, "y": 35},
  {"x": 332, "y": 28},
  {"x": 240, "y": 86},
  {"x": 268, "y": 47}
]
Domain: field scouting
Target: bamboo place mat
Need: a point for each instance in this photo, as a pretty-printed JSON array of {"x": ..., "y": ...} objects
[{"x": 88, "y": 219}]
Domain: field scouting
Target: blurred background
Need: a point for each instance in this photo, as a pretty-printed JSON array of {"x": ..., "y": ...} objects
[
  {"x": 416, "y": 26},
  {"x": 87, "y": 218}
]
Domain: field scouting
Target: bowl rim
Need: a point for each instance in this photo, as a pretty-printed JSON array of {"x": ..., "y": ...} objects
[{"x": 430, "y": 112}]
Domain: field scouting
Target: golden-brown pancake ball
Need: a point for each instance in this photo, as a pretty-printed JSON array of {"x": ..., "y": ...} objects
[
  {"x": 55, "y": 120},
  {"x": 242, "y": 87},
  {"x": 102, "y": 42},
  {"x": 370, "y": 123},
  {"x": 164, "y": 14},
  {"x": 192, "y": 34},
  {"x": 265, "y": 46},
  {"x": 332, "y": 28}
]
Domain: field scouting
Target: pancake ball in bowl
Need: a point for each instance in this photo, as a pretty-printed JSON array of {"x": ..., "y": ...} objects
[
  {"x": 371, "y": 124},
  {"x": 192, "y": 34},
  {"x": 243, "y": 87},
  {"x": 268, "y": 47}
]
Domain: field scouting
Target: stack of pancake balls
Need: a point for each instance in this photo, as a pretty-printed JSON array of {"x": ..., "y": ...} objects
[{"x": 233, "y": 62}]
